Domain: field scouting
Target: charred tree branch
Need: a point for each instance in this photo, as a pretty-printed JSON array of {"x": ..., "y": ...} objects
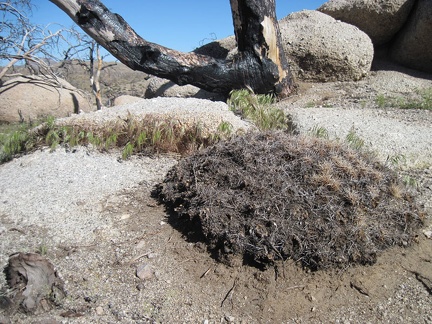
[{"x": 253, "y": 66}]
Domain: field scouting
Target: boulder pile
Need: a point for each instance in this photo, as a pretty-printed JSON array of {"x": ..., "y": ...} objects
[{"x": 402, "y": 27}]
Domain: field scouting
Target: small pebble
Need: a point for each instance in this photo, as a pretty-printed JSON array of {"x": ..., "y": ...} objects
[
  {"x": 145, "y": 272},
  {"x": 140, "y": 245},
  {"x": 99, "y": 310},
  {"x": 125, "y": 216},
  {"x": 428, "y": 233},
  {"x": 151, "y": 255}
]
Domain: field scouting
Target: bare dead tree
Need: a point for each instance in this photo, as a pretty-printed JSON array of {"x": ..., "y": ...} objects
[
  {"x": 95, "y": 72},
  {"x": 21, "y": 41},
  {"x": 260, "y": 64},
  {"x": 92, "y": 61}
]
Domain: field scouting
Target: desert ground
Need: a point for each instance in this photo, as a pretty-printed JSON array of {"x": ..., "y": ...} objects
[{"x": 93, "y": 216}]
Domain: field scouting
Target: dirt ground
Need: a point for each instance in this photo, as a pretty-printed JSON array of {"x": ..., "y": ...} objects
[
  {"x": 189, "y": 286},
  {"x": 186, "y": 285}
]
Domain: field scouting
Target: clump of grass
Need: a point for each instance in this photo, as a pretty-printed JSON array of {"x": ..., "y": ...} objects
[
  {"x": 319, "y": 131},
  {"x": 258, "y": 109},
  {"x": 396, "y": 161},
  {"x": 316, "y": 201},
  {"x": 42, "y": 249},
  {"x": 352, "y": 139},
  {"x": 423, "y": 100},
  {"x": 127, "y": 151},
  {"x": 355, "y": 141},
  {"x": 132, "y": 135},
  {"x": 381, "y": 101},
  {"x": 14, "y": 139}
]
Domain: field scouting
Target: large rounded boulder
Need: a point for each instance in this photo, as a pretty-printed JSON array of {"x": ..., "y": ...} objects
[
  {"x": 380, "y": 20},
  {"x": 33, "y": 97},
  {"x": 320, "y": 48},
  {"x": 413, "y": 45}
]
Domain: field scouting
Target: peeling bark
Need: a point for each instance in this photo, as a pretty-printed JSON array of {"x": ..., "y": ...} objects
[
  {"x": 259, "y": 65},
  {"x": 257, "y": 31}
]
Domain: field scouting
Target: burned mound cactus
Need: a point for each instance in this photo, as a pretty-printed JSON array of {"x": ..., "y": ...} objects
[{"x": 276, "y": 196}]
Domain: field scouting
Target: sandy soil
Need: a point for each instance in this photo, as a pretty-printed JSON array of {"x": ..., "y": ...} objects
[{"x": 94, "y": 217}]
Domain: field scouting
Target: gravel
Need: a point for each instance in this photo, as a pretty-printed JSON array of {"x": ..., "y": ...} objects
[
  {"x": 385, "y": 133},
  {"x": 62, "y": 190}
]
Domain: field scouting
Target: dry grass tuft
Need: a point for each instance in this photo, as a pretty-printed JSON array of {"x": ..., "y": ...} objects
[{"x": 276, "y": 196}]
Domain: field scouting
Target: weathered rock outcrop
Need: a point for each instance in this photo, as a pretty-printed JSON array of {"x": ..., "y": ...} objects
[
  {"x": 323, "y": 49},
  {"x": 413, "y": 45},
  {"x": 159, "y": 87},
  {"x": 219, "y": 49},
  {"x": 380, "y": 20},
  {"x": 32, "y": 97}
]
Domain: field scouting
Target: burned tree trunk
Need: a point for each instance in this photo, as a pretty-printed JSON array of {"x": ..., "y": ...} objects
[
  {"x": 257, "y": 34},
  {"x": 259, "y": 65}
]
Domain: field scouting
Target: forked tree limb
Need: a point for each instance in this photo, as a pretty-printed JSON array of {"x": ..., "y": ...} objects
[{"x": 259, "y": 65}]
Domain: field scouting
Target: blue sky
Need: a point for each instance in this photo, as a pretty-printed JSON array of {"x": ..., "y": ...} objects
[{"x": 180, "y": 25}]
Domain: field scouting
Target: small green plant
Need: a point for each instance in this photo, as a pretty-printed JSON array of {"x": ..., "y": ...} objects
[
  {"x": 225, "y": 128},
  {"x": 396, "y": 160},
  {"x": 354, "y": 140},
  {"x": 320, "y": 132},
  {"x": 156, "y": 137},
  {"x": 77, "y": 138},
  {"x": 424, "y": 102},
  {"x": 381, "y": 101},
  {"x": 94, "y": 139},
  {"x": 13, "y": 142},
  {"x": 55, "y": 135},
  {"x": 42, "y": 249},
  {"x": 141, "y": 140},
  {"x": 127, "y": 151},
  {"x": 111, "y": 141},
  {"x": 259, "y": 110},
  {"x": 224, "y": 131},
  {"x": 409, "y": 181}
]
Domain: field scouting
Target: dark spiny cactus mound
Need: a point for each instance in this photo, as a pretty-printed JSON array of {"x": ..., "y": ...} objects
[{"x": 277, "y": 196}]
